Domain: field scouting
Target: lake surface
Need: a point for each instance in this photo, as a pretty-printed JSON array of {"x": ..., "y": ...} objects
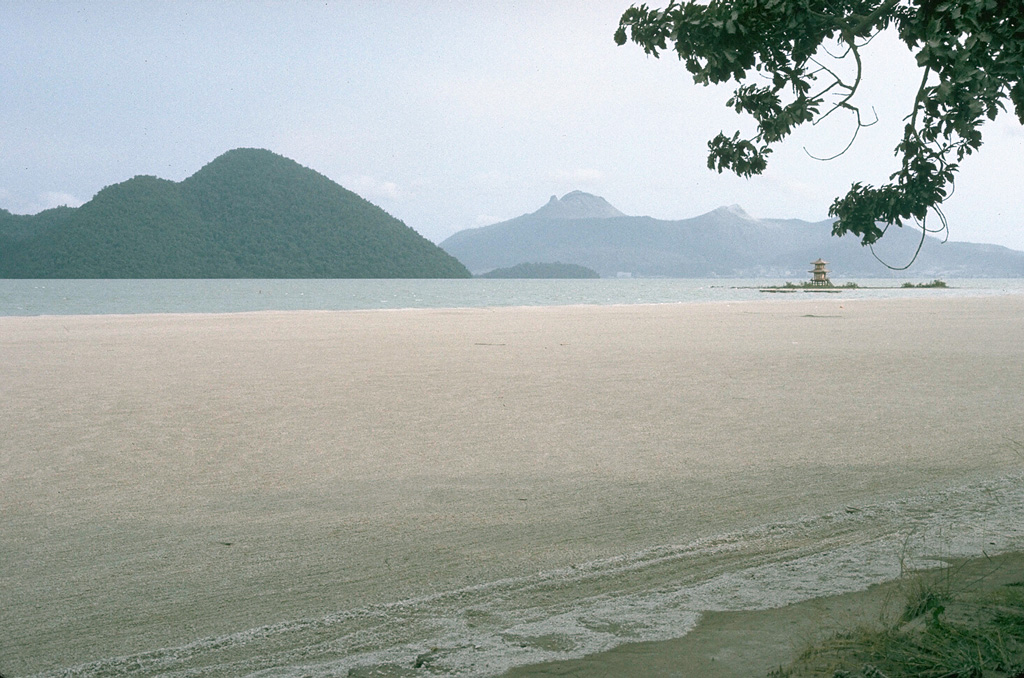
[{"x": 90, "y": 297}]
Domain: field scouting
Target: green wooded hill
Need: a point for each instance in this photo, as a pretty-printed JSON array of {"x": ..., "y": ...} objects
[
  {"x": 542, "y": 270},
  {"x": 248, "y": 214}
]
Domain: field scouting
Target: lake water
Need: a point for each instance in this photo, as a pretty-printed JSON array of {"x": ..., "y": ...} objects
[{"x": 87, "y": 297}]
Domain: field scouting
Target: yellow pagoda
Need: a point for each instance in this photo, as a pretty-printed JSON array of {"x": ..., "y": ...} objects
[{"x": 819, "y": 274}]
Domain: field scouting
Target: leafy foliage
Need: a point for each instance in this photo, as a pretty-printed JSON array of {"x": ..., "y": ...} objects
[
  {"x": 248, "y": 214},
  {"x": 971, "y": 53}
]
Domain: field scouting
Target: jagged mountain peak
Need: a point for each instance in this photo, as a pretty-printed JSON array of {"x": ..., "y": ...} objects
[
  {"x": 734, "y": 210},
  {"x": 725, "y": 242},
  {"x": 578, "y": 205}
]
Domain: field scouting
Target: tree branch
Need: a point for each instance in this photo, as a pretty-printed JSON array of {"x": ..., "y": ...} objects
[{"x": 870, "y": 19}]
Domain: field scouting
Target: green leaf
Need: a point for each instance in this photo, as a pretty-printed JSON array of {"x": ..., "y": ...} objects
[{"x": 973, "y": 50}]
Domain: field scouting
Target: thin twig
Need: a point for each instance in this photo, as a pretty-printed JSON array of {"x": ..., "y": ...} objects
[{"x": 920, "y": 244}]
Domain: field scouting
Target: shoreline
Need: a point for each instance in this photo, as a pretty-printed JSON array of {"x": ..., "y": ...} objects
[
  {"x": 128, "y": 297},
  {"x": 173, "y": 478},
  {"x": 702, "y": 303},
  {"x": 751, "y": 643}
]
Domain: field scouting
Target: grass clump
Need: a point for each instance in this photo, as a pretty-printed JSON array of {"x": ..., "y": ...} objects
[
  {"x": 933, "y": 284},
  {"x": 949, "y": 627},
  {"x": 807, "y": 285}
]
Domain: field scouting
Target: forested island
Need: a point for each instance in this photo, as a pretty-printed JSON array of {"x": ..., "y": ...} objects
[
  {"x": 248, "y": 214},
  {"x": 542, "y": 270}
]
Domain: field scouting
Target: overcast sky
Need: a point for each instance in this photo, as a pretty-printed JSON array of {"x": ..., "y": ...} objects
[{"x": 449, "y": 115}]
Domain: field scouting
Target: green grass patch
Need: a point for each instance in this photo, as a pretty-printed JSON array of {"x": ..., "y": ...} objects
[
  {"x": 934, "y": 284},
  {"x": 950, "y": 624}
]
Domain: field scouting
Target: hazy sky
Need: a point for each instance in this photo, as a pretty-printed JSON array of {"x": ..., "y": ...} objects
[{"x": 449, "y": 115}]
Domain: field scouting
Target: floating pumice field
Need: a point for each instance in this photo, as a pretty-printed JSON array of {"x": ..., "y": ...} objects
[{"x": 466, "y": 491}]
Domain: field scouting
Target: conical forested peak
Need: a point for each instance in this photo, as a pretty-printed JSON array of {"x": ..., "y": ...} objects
[
  {"x": 253, "y": 170},
  {"x": 249, "y": 213},
  {"x": 243, "y": 160}
]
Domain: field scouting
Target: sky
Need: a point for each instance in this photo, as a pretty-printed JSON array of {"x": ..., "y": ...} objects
[{"x": 449, "y": 115}]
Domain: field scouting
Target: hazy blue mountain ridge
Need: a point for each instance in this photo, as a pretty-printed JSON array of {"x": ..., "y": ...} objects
[
  {"x": 577, "y": 205},
  {"x": 725, "y": 242}
]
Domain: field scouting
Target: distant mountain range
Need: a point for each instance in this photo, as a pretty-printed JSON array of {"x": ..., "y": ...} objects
[
  {"x": 253, "y": 214},
  {"x": 586, "y": 230},
  {"x": 248, "y": 214}
]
